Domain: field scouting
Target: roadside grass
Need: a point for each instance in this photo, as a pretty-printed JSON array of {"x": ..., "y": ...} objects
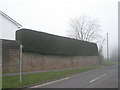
[
  {"x": 0, "y": 82},
  {"x": 31, "y": 79},
  {"x": 108, "y": 62}
]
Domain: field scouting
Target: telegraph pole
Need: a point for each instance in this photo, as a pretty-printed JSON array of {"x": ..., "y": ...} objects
[
  {"x": 107, "y": 48},
  {"x": 21, "y": 62}
]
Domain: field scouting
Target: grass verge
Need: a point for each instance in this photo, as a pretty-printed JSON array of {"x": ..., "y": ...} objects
[
  {"x": 108, "y": 62},
  {"x": 30, "y": 79}
]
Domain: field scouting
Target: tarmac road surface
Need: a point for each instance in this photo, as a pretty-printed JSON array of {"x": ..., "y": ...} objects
[{"x": 105, "y": 77}]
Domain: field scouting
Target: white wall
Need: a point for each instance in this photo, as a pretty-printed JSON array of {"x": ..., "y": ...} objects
[
  {"x": 0, "y": 51},
  {"x": 0, "y": 26},
  {"x": 8, "y": 28}
]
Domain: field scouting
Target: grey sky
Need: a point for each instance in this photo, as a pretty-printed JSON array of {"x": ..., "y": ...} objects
[{"x": 53, "y": 16}]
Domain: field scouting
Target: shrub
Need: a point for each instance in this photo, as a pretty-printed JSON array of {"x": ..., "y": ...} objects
[{"x": 44, "y": 43}]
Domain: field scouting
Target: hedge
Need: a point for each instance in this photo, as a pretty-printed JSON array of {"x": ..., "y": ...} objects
[
  {"x": 44, "y": 43},
  {"x": 9, "y": 44}
]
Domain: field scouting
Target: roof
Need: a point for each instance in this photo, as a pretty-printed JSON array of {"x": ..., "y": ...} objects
[{"x": 9, "y": 18}]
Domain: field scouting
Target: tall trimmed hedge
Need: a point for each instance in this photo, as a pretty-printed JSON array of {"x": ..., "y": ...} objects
[
  {"x": 44, "y": 43},
  {"x": 9, "y": 44}
]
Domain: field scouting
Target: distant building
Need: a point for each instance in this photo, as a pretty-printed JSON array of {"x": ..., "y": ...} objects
[{"x": 8, "y": 26}]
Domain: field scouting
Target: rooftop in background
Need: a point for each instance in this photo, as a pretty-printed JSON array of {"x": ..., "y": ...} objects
[{"x": 9, "y": 18}]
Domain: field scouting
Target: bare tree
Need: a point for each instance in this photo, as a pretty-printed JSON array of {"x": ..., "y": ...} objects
[
  {"x": 84, "y": 28},
  {"x": 101, "y": 46},
  {"x": 101, "y": 57}
]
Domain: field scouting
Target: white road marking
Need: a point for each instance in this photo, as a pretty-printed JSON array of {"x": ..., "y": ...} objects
[
  {"x": 113, "y": 70},
  {"x": 97, "y": 78},
  {"x": 58, "y": 80},
  {"x": 84, "y": 73},
  {"x": 49, "y": 83}
]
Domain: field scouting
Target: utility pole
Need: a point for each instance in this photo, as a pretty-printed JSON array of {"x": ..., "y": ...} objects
[
  {"x": 21, "y": 62},
  {"x": 107, "y": 48}
]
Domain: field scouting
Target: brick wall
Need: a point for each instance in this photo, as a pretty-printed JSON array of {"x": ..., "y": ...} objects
[
  {"x": 10, "y": 56},
  {"x": 38, "y": 62},
  {"x": 10, "y": 61}
]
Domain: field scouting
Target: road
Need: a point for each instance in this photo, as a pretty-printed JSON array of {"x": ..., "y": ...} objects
[{"x": 105, "y": 77}]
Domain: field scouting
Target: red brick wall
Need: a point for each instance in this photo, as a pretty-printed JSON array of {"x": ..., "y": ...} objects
[
  {"x": 10, "y": 60},
  {"x": 38, "y": 62}
]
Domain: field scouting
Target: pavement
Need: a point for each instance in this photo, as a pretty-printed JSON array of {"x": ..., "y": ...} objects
[
  {"x": 12, "y": 74},
  {"x": 105, "y": 77}
]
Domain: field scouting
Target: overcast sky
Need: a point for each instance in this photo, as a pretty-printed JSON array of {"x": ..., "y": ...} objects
[{"x": 53, "y": 16}]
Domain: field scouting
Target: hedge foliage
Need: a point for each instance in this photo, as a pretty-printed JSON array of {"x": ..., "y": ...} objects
[
  {"x": 44, "y": 43},
  {"x": 9, "y": 44}
]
